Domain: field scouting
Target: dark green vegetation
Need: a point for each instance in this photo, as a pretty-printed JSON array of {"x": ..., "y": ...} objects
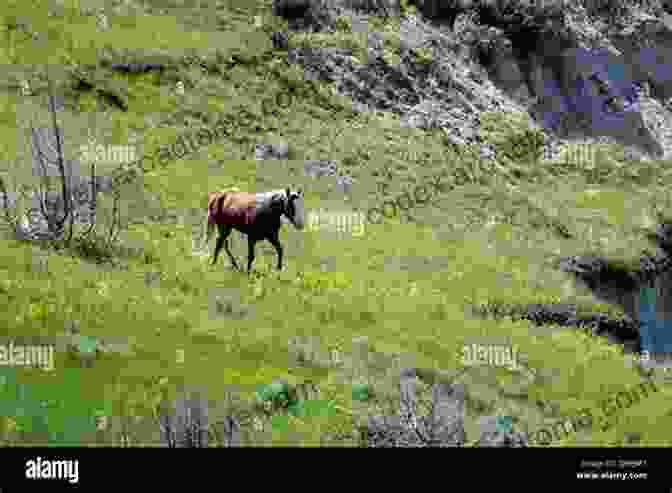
[{"x": 190, "y": 326}]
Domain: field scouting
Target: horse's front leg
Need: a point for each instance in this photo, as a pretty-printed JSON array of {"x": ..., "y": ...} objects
[
  {"x": 224, "y": 236},
  {"x": 250, "y": 252},
  {"x": 278, "y": 248}
]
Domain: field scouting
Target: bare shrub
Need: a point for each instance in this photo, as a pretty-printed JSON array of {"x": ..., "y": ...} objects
[
  {"x": 441, "y": 424},
  {"x": 432, "y": 416},
  {"x": 186, "y": 424},
  {"x": 63, "y": 208}
]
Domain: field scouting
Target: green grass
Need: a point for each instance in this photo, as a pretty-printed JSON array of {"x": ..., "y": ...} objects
[{"x": 499, "y": 231}]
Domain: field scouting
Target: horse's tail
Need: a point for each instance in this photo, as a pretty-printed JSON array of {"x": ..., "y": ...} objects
[
  {"x": 208, "y": 226},
  {"x": 208, "y": 223}
]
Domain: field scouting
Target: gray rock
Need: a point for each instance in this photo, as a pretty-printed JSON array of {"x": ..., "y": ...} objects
[
  {"x": 304, "y": 14},
  {"x": 487, "y": 152},
  {"x": 316, "y": 168},
  {"x": 344, "y": 185},
  {"x": 292, "y": 9},
  {"x": 280, "y": 40},
  {"x": 376, "y": 44},
  {"x": 276, "y": 151}
]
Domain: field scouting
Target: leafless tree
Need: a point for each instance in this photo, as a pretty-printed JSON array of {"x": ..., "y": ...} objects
[
  {"x": 441, "y": 423},
  {"x": 419, "y": 420},
  {"x": 185, "y": 424},
  {"x": 56, "y": 210}
]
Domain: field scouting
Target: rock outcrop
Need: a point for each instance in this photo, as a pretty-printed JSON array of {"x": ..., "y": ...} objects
[{"x": 582, "y": 72}]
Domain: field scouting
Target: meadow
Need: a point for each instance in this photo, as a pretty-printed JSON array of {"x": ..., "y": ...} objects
[{"x": 158, "y": 321}]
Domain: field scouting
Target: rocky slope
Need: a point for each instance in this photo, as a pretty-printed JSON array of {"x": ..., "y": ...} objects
[
  {"x": 585, "y": 71},
  {"x": 582, "y": 72}
]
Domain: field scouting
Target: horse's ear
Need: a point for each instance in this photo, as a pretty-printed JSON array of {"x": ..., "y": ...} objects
[{"x": 288, "y": 192}]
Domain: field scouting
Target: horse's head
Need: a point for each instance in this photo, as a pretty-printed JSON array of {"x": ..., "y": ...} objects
[{"x": 293, "y": 207}]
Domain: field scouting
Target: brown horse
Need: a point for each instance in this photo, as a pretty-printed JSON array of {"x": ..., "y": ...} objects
[{"x": 257, "y": 215}]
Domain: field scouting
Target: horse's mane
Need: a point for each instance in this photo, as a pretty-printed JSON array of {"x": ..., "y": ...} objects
[{"x": 264, "y": 198}]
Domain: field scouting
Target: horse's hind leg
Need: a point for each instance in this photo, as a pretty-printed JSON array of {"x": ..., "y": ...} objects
[
  {"x": 278, "y": 248},
  {"x": 218, "y": 247},
  {"x": 222, "y": 240},
  {"x": 225, "y": 235}
]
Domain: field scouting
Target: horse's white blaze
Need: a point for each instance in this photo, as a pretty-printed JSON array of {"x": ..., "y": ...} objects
[
  {"x": 264, "y": 197},
  {"x": 300, "y": 215}
]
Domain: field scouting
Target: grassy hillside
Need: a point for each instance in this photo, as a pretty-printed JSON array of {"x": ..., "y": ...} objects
[{"x": 154, "y": 312}]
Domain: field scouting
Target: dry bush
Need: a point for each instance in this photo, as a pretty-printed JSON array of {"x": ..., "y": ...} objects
[{"x": 63, "y": 208}]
